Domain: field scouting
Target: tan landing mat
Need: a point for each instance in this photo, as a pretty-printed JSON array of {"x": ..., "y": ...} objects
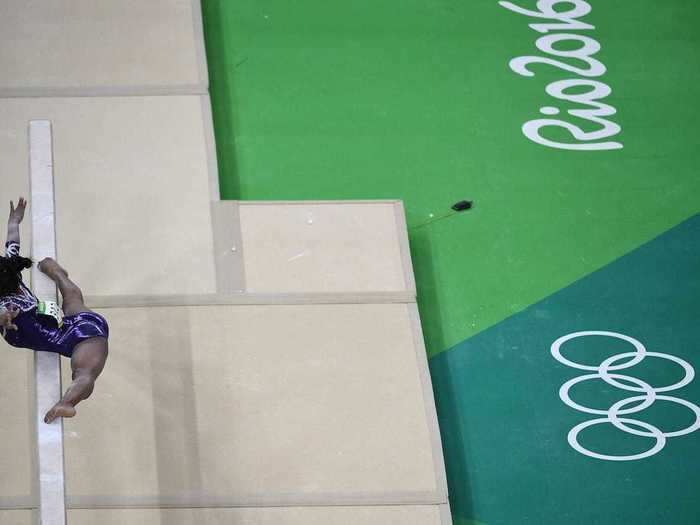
[
  {"x": 18, "y": 517},
  {"x": 100, "y": 47},
  {"x": 16, "y": 411},
  {"x": 132, "y": 189},
  {"x": 324, "y": 247},
  {"x": 409, "y": 515},
  {"x": 14, "y": 176},
  {"x": 420, "y": 515},
  {"x": 255, "y": 406}
]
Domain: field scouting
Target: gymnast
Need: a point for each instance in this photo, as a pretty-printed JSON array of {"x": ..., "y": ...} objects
[{"x": 25, "y": 322}]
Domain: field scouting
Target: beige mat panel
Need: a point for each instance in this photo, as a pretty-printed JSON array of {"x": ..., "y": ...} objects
[
  {"x": 97, "y": 44},
  {"x": 254, "y": 404},
  {"x": 132, "y": 195},
  {"x": 18, "y": 517},
  {"x": 356, "y": 515},
  {"x": 14, "y": 173},
  {"x": 409, "y": 515},
  {"x": 16, "y": 388},
  {"x": 335, "y": 247}
]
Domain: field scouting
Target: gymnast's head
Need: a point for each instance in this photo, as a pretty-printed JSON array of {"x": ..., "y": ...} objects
[{"x": 10, "y": 268}]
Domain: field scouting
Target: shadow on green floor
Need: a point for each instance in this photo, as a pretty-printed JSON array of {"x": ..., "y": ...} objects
[
  {"x": 222, "y": 64},
  {"x": 463, "y": 521}
]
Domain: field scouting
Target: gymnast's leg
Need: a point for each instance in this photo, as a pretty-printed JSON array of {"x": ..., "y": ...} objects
[
  {"x": 88, "y": 357},
  {"x": 87, "y": 362},
  {"x": 72, "y": 297}
]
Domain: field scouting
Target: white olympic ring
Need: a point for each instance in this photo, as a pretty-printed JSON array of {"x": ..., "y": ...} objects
[{"x": 612, "y": 414}]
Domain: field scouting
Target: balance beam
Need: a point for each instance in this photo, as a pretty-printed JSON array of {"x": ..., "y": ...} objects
[{"x": 49, "y": 473}]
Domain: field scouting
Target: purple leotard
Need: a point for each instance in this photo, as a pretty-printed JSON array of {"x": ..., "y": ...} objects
[{"x": 39, "y": 332}]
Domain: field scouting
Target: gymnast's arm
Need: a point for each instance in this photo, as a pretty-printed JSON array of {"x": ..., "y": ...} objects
[{"x": 16, "y": 217}]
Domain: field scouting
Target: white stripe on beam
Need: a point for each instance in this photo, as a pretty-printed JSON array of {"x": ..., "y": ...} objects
[{"x": 47, "y": 368}]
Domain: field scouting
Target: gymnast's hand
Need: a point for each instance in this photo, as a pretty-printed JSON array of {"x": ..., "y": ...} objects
[
  {"x": 6, "y": 318},
  {"x": 17, "y": 214}
]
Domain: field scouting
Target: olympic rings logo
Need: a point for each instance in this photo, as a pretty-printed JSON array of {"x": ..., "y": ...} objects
[{"x": 612, "y": 415}]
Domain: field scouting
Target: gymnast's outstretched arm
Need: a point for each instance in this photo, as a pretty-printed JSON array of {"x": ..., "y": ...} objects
[
  {"x": 16, "y": 217},
  {"x": 13, "y": 222}
]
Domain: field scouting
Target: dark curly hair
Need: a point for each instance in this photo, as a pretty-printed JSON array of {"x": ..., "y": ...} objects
[{"x": 10, "y": 269}]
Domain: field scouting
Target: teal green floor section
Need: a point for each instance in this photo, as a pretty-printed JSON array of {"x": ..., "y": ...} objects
[
  {"x": 504, "y": 427},
  {"x": 414, "y": 99}
]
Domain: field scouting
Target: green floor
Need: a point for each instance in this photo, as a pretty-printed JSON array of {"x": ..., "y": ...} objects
[{"x": 415, "y": 100}]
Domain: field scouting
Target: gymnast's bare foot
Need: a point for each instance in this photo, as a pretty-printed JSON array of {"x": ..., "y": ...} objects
[
  {"x": 52, "y": 269},
  {"x": 59, "y": 410}
]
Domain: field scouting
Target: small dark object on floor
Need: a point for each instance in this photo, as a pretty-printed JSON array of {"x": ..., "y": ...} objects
[{"x": 463, "y": 205}]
